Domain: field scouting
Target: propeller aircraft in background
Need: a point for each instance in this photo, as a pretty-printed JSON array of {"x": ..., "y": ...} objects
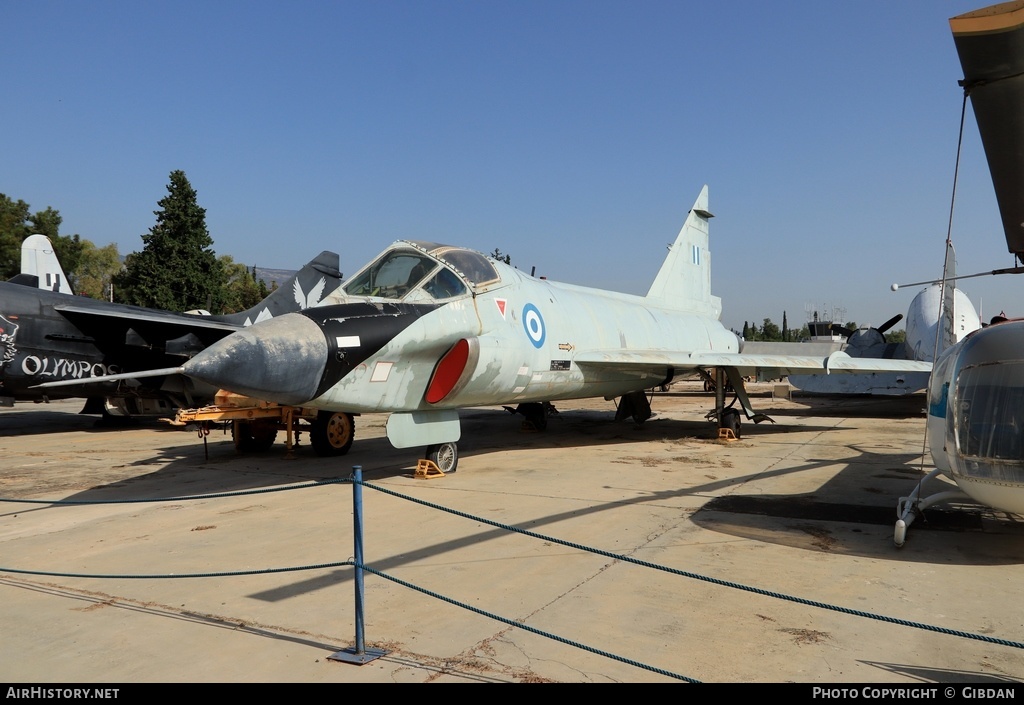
[{"x": 936, "y": 319}]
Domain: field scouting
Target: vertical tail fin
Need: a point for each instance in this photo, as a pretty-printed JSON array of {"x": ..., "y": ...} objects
[
  {"x": 684, "y": 280},
  {"x": 940, "y": 314},
  {"x": 39, "y": 260},
  {"x": 304, "y": 289}
]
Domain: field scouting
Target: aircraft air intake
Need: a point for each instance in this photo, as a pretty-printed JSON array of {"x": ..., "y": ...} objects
[{"x": 448, "y": 372}]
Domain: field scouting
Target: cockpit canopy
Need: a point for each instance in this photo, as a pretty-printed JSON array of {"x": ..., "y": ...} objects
[{"x": 418, "y": 270}]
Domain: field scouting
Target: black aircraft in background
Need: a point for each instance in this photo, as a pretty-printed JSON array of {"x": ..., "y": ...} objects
[{"x": 49, "y": 336}]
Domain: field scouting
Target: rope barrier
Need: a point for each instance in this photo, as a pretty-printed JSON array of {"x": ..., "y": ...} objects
[
  {"x": 507, "y": 527},
  {"x": 704, "y": 578},
  {"x": 527, "y": 627}
]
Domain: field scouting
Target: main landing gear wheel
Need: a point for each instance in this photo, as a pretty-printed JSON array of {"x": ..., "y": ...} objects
[
  {"x": 332, "y": 433},
  {"x": 445, "y": 456},
  {"x": 252, "y": 437},
  {"x": 536, "y": 415},
  {"x": 731, "y": 420}
]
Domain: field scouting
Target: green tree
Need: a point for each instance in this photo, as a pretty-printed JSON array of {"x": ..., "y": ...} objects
[
  {"x": 14, "y": 217},
  {"x": 497, "y": 254},
  {"x": 785, "y": 328},
  {"x": 264, "y": 292},
  {"x": 746, "y": 331},
  {"x": 17, "y": 222},
  {"x": 177, "y": 269},
  {"x": 242, "y": 291},
  {"x": 96, "y": 269},
  {"x": 770, "y": 331},
  {"x": 896, "y": 336},
  {"x": 46, "y": 223}
]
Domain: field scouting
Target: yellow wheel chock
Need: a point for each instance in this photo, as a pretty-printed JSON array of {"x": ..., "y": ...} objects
[{"x": 427, "y": 470}]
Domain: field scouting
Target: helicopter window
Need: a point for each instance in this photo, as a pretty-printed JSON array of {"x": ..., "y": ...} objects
[
  {"x": 990, "y": 411},
  {"x": 391, "y": 276}
]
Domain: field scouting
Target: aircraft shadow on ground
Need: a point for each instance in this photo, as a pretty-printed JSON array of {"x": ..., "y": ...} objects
[
  {"x": 797, "y": 521},
  {"x": 213, "y": 464},
  {"x": 854, "y": 513},
  {"x": 826, "y": 405},
  {"x": 924, "y": 674},
  {"x": 847, "y": 515},
  {"x": 38, "y": 420},
  {"x": 873, "y": 407}
]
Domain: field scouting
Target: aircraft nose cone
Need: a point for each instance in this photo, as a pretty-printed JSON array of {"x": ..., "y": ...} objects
[{"x": 280, "y": 360}]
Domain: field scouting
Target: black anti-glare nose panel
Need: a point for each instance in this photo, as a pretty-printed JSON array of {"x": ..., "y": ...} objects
[{"x": 355, "y": 331}]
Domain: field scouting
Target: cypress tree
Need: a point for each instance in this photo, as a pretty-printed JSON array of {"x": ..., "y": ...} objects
[{"x": 177, "y": 269}]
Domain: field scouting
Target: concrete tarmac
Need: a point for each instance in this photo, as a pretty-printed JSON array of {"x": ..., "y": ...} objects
[{"x": 655, "y": 553}]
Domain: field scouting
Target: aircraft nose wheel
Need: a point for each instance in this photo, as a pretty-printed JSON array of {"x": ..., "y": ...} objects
[{"x": 445, "y": 456}]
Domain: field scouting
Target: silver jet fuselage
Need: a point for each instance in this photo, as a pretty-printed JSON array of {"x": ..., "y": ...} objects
[{"x": 482, "y": 334}]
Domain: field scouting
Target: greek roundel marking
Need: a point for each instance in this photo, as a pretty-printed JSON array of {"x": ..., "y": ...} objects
[{"x": 533, "y": 322}]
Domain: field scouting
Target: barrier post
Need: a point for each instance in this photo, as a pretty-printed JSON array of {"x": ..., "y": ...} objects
[{"x": 359, "y": 653}]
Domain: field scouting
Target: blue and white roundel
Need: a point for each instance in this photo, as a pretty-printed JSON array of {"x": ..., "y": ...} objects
[{"x": 534, "y": 325}]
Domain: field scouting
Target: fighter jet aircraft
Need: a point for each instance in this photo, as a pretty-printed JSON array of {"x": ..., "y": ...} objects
[
  {"x": 931, "y": 327},
  {"x": 52, "y": 336},
  {"x": 426, "y": 329}
]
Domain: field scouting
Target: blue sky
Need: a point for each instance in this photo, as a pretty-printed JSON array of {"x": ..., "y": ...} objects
[{"x": 573, "y": 136}]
